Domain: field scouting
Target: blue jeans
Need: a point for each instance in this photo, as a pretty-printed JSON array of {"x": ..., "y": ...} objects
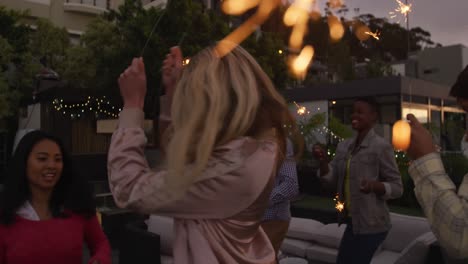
[{"x": 358, "y": 248}]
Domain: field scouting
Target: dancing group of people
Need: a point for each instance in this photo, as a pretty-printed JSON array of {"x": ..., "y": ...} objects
[{"x": 227, "y": 174}]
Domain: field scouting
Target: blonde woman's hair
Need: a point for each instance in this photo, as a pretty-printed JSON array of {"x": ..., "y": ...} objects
[{"x": 218, "y": 100}]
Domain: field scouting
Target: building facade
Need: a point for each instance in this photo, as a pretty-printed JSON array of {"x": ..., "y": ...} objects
[
  {"x": 438, "y": 65},
  {"x": 397, "y": 97}
]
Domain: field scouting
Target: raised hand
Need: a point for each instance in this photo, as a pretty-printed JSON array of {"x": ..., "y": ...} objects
[
  {"x": 319, "y": 153},
  {"x": 132, "y": 83},
  {"x": 421, "y": 140}
]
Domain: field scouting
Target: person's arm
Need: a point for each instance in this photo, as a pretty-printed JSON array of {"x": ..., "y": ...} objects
[
  {"x": 134, "y": 185},
  {"x": 389, "y": 185},
  {"x": 288, "y": 187},
  {"x": 2, "y": 247},
  {"x": 446, "y": 211},
  {"x": 326, "y": 171},
  {"x": 97, "y": 242}
]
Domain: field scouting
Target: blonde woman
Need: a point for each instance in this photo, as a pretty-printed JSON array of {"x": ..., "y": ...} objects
[{"x": 225, "y": 138}]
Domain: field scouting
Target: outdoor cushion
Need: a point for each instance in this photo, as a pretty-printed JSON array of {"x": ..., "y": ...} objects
[
  {"x": 385, "y": 257},
  {"x": 416, "y": 251},
  {"x": 293, "y": 261},
  {"x": 322, "y": 254},
  {"x": 163, "y": 226},
  {"x": 404, "y": 230},
  {"x": 295, "y": 247},
  {"x": 329, "y": 235},
  {"x": 167, "y": 259},
  {"x": 302, "y": 228}
]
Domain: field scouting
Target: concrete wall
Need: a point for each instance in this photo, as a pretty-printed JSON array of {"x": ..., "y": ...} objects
[
  {"x": 71, "y": 14},
  {"x": 31, "y": 118},
  {"x": 441, "y": 65}
]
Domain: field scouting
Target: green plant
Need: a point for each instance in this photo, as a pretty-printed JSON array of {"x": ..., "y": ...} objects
[
  {"x": 339, "y": 129},
  {"x": 308, "y": 127}
]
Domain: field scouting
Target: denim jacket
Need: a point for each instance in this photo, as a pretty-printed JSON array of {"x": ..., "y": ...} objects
[{"x": 373, "y": 160}]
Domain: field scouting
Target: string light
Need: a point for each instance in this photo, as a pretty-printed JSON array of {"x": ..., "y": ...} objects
[{"x": 99, "y": 106}]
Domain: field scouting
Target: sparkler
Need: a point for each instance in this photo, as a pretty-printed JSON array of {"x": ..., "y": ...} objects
[
  {"x": 296, "y": 16},
  {"x": 402, "y": 9},
  {"x": 301, "y": 110},
  {"x": 185, "y": 62},
  {"x": 334, "y": 4},
  {"x": 375, "y": 35},
  {"x": 236, "y": 7},
  {"x": 265, "y": 7},
  {"x": 339, "y": 206},
  {"x": 301, "y": 63}
]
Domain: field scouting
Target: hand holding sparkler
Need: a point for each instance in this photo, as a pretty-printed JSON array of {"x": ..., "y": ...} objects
[
  {"x": 132, "y": 83},
  {"x": 371, "y": 186},
  {"x": 421, "y": 142}
]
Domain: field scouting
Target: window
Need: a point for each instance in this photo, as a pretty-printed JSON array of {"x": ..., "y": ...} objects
[{"x": 419, "y": 113}]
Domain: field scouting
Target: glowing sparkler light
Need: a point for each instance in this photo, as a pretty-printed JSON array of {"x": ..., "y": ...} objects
[
  {"x": 336, "y": 28},
  {"x": 315, "y": 15},
  {"x": 265, "y": 7},
  {"x": 375, "y": 35},
  {"x": 238, "y": 7},
  {"x": 185, "y": 62},
  {"x": 402, "y": 9},
  {"x": 301, "y": 63},
  {"x": 297, "y": 36},
  {"x": 301, "y": 110},
  {"x": 339, "y": 206},
  {"x": 360, "y": 30},
  {"x": 334, "y": 4},
  {"x": 294, "y": 15}
]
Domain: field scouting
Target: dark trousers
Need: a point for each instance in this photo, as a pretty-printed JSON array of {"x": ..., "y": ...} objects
[{"x": 357, "y": 248}]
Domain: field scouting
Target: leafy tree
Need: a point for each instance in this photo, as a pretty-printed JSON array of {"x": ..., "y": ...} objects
[
  {"x": 16, "y": 68},
  {"x": 111, "y": 41},
  {"x": 8, "y": 97},
  {"x": 49, "y": 44}
]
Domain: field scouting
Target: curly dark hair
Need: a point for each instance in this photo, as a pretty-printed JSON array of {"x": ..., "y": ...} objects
[
  {"x": 460, "y": 88},
  {"x": 72, "y": 193}
]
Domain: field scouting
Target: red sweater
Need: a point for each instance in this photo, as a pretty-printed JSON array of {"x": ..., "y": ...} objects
[{"x": 54, "y": 241}]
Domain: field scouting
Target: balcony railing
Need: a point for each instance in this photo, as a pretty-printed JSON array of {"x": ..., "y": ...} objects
[
  {"x": 95, "y": 3},
  {"x": 87, "y": 6}
]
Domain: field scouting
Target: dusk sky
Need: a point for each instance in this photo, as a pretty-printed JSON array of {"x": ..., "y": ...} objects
[{"x": 446, "y": 20}]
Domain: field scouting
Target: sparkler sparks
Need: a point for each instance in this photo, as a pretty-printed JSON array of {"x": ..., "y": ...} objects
[
  {"x": 185, "y": 62},
  {"x": 334, "y": 4},
  {"x": 265, "y": 7},
  {"x": 375, "y": 35},
  {"x": 402, "y": 9},
  {"x": 339, "y": 206},
  {"x": 297, "y": 15},
  {"x": 301, "y": 110}
]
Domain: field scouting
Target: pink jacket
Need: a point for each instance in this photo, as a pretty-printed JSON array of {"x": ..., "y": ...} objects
[{"x": 218, "y": 219}]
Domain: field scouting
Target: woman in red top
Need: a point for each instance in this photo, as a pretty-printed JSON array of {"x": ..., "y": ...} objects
[{"x": 46, "y": 211}]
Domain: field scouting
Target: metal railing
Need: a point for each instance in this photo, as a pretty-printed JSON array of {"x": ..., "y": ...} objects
[{"x": 97, "y": 3}]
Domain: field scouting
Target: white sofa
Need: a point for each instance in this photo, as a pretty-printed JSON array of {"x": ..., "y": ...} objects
[{"x": 407, "y": 242}]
